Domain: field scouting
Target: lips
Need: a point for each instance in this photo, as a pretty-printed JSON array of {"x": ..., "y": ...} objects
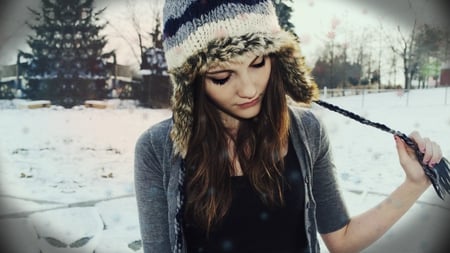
[{"x": 249, "y": 104}]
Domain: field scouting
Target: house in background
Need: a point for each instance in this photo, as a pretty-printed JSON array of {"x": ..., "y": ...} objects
[
  {"x": 445, "y": 75},
  {"x": 156, "y": 86},
  {"x": 10, "y": 82},
  {"x": 125, "y": 85},
  {"x": 121, "y": 84}
]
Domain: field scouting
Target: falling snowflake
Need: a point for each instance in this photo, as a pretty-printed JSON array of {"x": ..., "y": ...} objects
[
  {"x": 335, "y": 22},
  {"x": 305, "y": 39},
  {"x": 331, "y": 35}
]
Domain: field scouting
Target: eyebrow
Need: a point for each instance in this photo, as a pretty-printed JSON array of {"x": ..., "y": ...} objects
[{"x": 228, "y": 70}]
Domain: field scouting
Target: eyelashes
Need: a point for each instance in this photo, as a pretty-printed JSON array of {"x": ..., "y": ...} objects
[
  {"x": 261, "y": 64},
  {"x": 222, "y": 81}
]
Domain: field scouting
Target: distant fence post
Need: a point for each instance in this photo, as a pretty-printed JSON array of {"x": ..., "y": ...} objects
[
  {"x": 407, "y": 96},
  {"x": 325, "y": 92},
  {"x": 362, "y": 100},
  {"x": 445, "y": 99}
]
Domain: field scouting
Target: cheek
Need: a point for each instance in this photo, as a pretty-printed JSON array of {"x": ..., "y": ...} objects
[
  {"x": 263, "y": 77},
  {"x": 218, "y": 94}
]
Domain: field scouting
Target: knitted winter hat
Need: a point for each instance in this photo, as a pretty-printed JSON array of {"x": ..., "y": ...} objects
[{"x": 200, "y": 33}]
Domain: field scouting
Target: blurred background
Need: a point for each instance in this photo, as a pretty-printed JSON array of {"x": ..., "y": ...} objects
[{"x": 71, "y": 51}]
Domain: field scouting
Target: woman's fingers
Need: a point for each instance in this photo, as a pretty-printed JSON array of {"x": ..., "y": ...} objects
[
  {"x": 415, "y": 136},
  {"x": 428, "y": 152},
  {"x": 437, "y": 154},
  {"x": 432, "y": 152}
]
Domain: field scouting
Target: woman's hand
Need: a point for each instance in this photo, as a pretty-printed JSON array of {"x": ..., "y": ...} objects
[
  {"x": 408, "y": 160},
  {"x": 366, "y": 228}
]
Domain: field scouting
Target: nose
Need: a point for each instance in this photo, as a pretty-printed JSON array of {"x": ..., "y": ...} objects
[{"x": 247, "y": 87}]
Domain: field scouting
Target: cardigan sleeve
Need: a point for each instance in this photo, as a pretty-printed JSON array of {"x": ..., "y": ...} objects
[
  {"x": 331, "y": 212},
  {"x": 150, "y": 192}
]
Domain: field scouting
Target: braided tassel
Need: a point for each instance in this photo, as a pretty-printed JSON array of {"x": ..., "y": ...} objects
[
  {"x": 439, "y": 175},
  {"x": 179, "y": 211}
]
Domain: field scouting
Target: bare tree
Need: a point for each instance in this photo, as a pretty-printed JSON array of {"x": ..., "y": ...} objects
[
  {"x": 380, "y": 52},
  {"x": 363, "y": 53},
  {"x": 405, "y": 50},
  {"x": 142, "y": 17}
]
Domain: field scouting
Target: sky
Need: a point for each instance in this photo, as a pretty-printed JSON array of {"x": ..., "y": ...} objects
[
  {"x": 313, "y": 19},
  {"x": 64, "y": 171}
]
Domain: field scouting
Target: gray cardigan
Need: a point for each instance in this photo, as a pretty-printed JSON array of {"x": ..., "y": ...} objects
[{"x": 158, "y": 183}]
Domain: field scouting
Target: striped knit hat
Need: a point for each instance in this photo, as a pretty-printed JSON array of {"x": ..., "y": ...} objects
[{"x": 200, "y": 33}]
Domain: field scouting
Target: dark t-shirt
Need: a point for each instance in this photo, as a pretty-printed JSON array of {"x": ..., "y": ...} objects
[{"x": 251, "y": 226}]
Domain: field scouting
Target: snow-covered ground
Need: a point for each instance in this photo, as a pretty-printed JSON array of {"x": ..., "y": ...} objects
[{"x": 67, "y": 174}]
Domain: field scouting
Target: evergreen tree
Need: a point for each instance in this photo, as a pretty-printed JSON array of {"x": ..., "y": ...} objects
[
  {"x": 156, "y": 87},
  {"x": 284, "y": 11},
  {"x": 429, "y": 52},
  {"x": 153, "y": 58},
  {"x": 67, "y": 63}
]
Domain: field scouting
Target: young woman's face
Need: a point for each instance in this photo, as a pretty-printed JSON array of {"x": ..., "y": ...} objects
[{"x": 238, "y": 89}]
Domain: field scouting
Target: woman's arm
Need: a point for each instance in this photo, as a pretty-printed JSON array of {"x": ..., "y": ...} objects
[
  {"x": 366, "y": 228},
  {"x": 151, "y": 196}
]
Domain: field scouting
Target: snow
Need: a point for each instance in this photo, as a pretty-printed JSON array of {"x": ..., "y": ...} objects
[
  {"x": 33, "y": 104},
  {"x": 76, "y": 229},
  {"x": 67, "y": 167}
]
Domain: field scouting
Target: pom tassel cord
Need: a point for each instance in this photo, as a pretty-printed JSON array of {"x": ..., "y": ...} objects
[{"x": 439, "y": 175}]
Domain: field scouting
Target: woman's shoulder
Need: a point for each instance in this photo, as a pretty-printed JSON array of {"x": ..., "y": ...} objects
[
  {"x": 157, "y": 135},
  {"x": 304, "y": 116},
  {"x": 307, "y": 124}
]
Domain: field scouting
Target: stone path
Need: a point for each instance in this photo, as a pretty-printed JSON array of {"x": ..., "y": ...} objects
[{"x": 119, "y": 231}]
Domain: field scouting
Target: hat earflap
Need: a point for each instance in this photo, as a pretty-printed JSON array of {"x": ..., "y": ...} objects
[
  {"x": 182, "y": 107},
  {"x": 296, "y": 76}
]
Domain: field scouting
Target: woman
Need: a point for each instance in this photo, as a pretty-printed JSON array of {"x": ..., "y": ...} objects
[{"x": 236, "y": 169}]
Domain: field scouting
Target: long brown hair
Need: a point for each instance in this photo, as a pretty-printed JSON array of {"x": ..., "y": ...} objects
[{"x": 258, "y": 146}]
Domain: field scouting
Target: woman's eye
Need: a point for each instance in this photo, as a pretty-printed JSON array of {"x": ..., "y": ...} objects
[
  {"x": 220, "y": 81},
  {"x": 260, "y": 64}
]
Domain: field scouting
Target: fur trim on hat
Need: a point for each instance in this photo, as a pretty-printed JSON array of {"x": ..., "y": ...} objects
[{"x": 297, "y": 80}]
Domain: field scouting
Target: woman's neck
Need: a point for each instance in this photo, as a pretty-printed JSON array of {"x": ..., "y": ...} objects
[{"x": 231, "y": 124}]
